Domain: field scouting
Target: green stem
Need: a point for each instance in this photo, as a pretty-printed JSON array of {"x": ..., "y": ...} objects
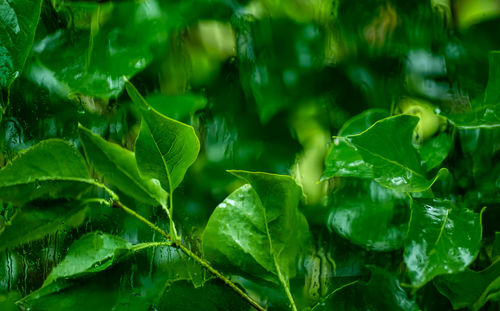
[
  {"x": 228, "y": 282},
  {"x": 285, "y": 286},
  {"x": 142, "y": 219},
  {"x": 141, "y": 246}
]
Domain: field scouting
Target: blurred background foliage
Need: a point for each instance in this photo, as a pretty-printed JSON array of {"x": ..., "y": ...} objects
[{"x": 266, "y": 84}]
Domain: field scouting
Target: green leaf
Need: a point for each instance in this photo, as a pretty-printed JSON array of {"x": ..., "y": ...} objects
[
  {"x": 442, "y": 239},
  {"x": 343, "y": 159},
  {"x": 387, "y": 147},
  {"x": 90, "y": 59},
  {"x": 18, "y": 23},
  {"x": 49, "y": 169},
  {"x": 258, "y": 228},
  {"x": 118, "y": 166},
  {"x": 381, "y": 293},
  {"x": 178, "y": 107},
  {"x": 92, "y": 253},
  {"x": 434, "y": 151},
  {"x": 165, "y": 148},
  {"x": 32, "y": 222},
  {"x": 471, "y": 289},
  {"x": 369, "y": 215}
]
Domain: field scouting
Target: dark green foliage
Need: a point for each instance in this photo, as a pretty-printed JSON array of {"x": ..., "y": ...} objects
[{"x": 249, "y": 154}]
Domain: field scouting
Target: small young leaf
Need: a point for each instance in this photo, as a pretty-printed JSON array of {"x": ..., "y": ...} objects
[
  {"x": 471, "y": 289},
  {"x": 118, "y": 166},
  {"x": 258, "y": 228},
  {"x": 442, "y": 239},
  {"x": 50, "y": 169},
  {"x": 32, "y": 222},
  {"x": 165, "y": 148},
  {"x": 18, "y": 23}
]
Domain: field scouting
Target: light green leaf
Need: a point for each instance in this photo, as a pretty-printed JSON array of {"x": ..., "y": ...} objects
[
  {"x": 369, "y": 215},
  {"x": 118, "y": 166},
  {"x": 49, "y": 169},
  {"x": 343, "y": 159},
  {"x": 471, "y": 289},
  {"x": 33, "y": 222},
  {"x": 165, "y": 148},
  {"x": 387, "y": 146},
  {"x": 92, "y": 253},
  {"x": 178, "y": 107},
  {"x": 258, "y": 228},
  {"x": 18, "y": 23},
  {"x": 442, "y": 239}
]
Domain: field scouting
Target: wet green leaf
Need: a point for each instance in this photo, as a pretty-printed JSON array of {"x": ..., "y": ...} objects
[
  {"x": 435, "y": 150},
  {"x": 18, "y": 22},
  {"x": 369, "y": 215},
  {"x": 343, "y": 159},
  {"x": 50, "y": 169},
  {"x": 165, "y": 148},
  {"x": 34, "y": 221},
  {"x": 118, "y": 166},
  {"x": 258, "y": 228},
  {"x": 471, "y": 289},
  {"x": 442, "y": 239}
]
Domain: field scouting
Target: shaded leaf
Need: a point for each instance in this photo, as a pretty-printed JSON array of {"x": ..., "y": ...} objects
[
  {"x": 165, "y": 148},
  {"x": 434, "y": 151},
  {"x": 382, "y": 292},
  {"x": 32, "y": 222},
  {"x": 18, "y": 23},
  {"x": 442, "y": 239},
  {"x": 258, "y": 228},
  {"x": 369, "y": 215},
  {"x": 118, "y": 166},
  {"x": 471, "y": 289},
  {"x": 49, "y": 169}
]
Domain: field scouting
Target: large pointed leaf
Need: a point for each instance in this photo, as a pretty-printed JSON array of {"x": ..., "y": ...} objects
[
  {"x": 165, "y": 148},
  {"x": 18, "y": 22},
  {"x": 118, "y": 166},
  {"x": 50, "y": 169},
  {"x": 343, "y": 159},
  {"x": 387, "y": 147},
  {"x": 369, "y": 215},
  {"x": 442, "y": 239},
  {"x": 258, "y": 228},
  {"x": 471, "y": 289},
  {"x": 32, "y": 222}
]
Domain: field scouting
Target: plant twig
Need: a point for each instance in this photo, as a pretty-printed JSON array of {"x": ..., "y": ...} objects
[{"x": 189, "y": 253}]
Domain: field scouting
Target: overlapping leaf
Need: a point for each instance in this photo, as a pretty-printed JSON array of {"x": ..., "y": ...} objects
[
  {"x": 387, "y": 148},
  {"x": 119, "y": 167},
  {"x": 258, "y": 228},
  {"x": 165, "y": 148},
  {"x": 50, "y": 169},
  {"x": 442, "y": 239}
]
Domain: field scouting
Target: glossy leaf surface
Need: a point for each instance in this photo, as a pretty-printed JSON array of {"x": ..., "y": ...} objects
[
  {"x": 18, "y": 22},
  {"x": 118, "y": 166},
  {"x": 369, "y": 215},
  {"x": 258, "y": 227},
  {"x": 165, "y": 148},
  {"x": 442, "y": 239},
  {"x": 50, "y": 169}
]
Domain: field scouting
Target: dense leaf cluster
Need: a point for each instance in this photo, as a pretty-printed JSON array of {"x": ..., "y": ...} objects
[{"x": 234, "y": 154}]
